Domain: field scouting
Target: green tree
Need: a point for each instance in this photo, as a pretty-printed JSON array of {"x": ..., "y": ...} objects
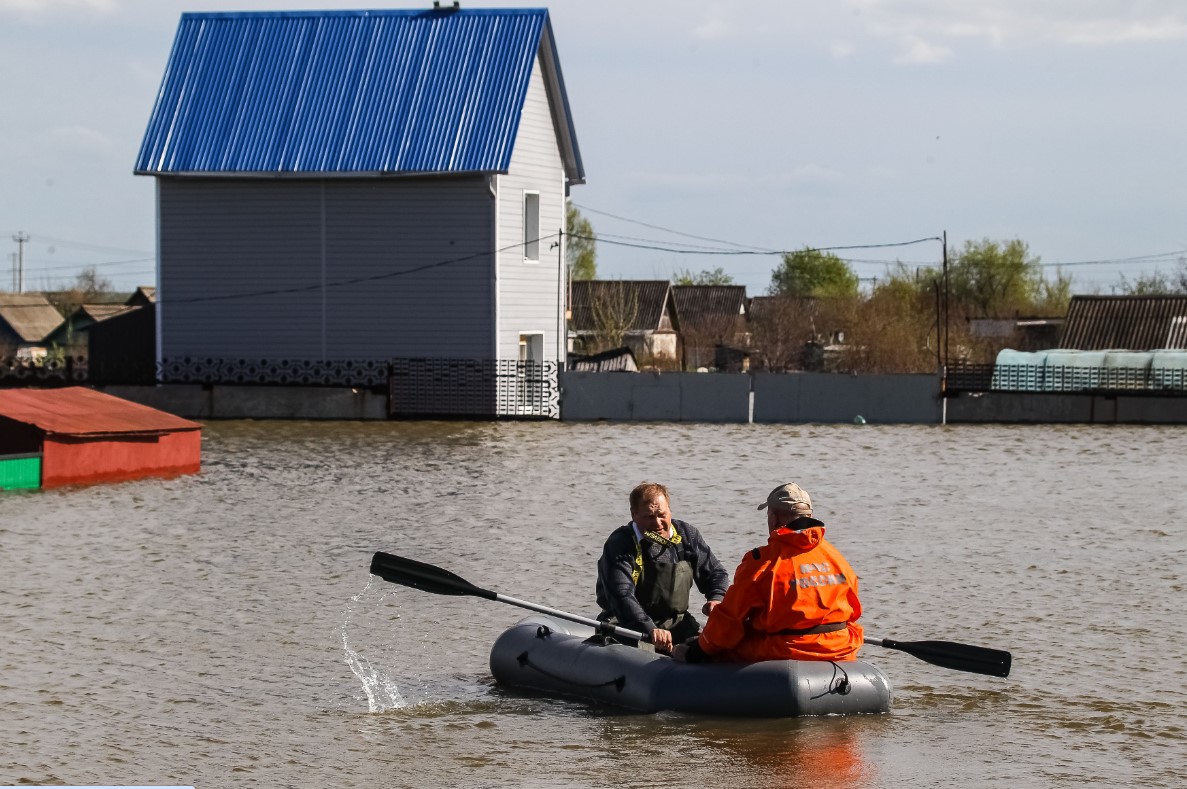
[
  {"x": 1156, "y": 284},
  {"x": 810, "y": 272},
  {"x": 581, "y": 253},
  {"x": 991, "y": 279},
  {"x": 715, "y": 277}
]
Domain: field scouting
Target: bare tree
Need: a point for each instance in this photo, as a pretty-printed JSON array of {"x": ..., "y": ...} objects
[
  {"x": 780, "y": 327},
  {"x": 614, "y": 308}
]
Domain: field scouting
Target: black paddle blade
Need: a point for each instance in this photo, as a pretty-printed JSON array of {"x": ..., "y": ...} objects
[
  {"x": 961, "y": 657},
  {"x": 425, "y": 577}
]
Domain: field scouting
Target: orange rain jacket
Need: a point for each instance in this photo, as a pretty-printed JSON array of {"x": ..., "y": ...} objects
[{"x": 796, "y": 581}]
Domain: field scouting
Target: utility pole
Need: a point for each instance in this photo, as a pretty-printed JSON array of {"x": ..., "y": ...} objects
[{"x": 20, "y": 239}]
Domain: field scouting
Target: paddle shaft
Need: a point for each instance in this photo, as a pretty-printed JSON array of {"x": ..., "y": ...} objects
[
  {"x": 543, "y": 609},
  {"x": 429, "y": 578}
]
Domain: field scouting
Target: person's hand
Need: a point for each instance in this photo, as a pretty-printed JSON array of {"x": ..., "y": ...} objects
[
  {"x": 679, "y": 651},
  {"x": 708, "y": 607},
  {"x": 662, "y": 641}
]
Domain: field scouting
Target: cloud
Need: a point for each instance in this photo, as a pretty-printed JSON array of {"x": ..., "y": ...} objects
[
  {"x": 920, "y": 51},
  {"x": 928, "y": 31},
  {"x": 81, "y": 139},
  {"x": 841, "y": 50},
  {"x": 32, "y": 7},
  {"x": 810, "y": 174}
]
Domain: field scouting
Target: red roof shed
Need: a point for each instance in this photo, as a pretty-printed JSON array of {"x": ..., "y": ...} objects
[{"x": 87, "y": 436}]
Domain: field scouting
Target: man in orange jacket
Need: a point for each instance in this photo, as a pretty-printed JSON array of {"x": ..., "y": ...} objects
[{"x": 795, "y": 597}]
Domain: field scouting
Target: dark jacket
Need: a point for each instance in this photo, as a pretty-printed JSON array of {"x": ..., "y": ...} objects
[{"x": 616, "y": 590}]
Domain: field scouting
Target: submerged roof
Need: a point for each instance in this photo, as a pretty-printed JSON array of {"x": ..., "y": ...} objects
[
  {"x": 77, "y": 411},
  {"x": 394, "y": 92},
  {"x": 1136, "y": 323},
  {"x": 30, "y": 315}
]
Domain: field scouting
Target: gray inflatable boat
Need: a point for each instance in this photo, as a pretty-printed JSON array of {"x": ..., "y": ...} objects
[{"x": 550, "y": 655}]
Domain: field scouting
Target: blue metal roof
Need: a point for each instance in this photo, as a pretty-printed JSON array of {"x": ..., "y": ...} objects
[{"x": 351, "y": 92}]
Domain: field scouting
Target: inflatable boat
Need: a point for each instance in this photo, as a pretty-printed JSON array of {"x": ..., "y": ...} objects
[{"x": 546, "y": 654}]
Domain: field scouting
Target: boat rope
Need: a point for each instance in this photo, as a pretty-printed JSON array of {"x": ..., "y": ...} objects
[
  {"x": 525, "y": 661},
  {"x": 837, "y": 684},
  {"x": 618, "y": 682}
]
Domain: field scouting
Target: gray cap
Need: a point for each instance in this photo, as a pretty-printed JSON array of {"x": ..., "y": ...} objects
[{"x": 789, "y": 497}]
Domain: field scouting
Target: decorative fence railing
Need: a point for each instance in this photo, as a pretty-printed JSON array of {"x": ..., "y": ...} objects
[
  {"x": 415, "y": 387},
  {"x": 64, "y": 371},
  {"x": 1066, "y": 379},
  {"x": 428, "y": 387}
]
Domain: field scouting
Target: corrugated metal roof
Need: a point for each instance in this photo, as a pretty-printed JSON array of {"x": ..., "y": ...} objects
[
  {"x": 641, "y": 303},
  {"x": 30, "y": 315},
  {"x": 774, "y": 308},
  {"x": 76, "y": 411},
  {"x": 709, "y": 308},
  {"x": 1135, "y": 323},
  {"x": 359, "y": 92}
]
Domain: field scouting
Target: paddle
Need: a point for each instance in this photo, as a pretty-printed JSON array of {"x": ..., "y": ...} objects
[
  {"x": 428, "y": 578},
  {"x": 962, "y": 657}
]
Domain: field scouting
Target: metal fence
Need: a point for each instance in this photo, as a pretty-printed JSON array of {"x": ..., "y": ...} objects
[
  {"x": 64, "y": 371},
  {"x": 415, "y": 387}
]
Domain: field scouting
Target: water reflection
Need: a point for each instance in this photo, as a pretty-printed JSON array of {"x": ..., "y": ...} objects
[{"x": 692, "y": 750}]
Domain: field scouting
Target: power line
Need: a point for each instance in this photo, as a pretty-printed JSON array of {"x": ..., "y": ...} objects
[
  {"x": 752, "y": 252},
  {"x": 669, "y": 230},
  {"x": 357, "y": 280}
]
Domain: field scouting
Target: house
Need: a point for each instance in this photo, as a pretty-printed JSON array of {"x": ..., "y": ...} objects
[
  {"x": 343, "y": 188},
  {"x": 123, "y": 348},
  {"x": 713, "y": 327},
  {"x": 1026, "y": 334},
  {"x": 71, "y": 335},
  {"x": 637, "y": 314},
  {"x": 142, "y": 296},
  {"x": 26, "y": 319},
  {"x": 74, "y": 435},
  {"x": 1134, "y": 323}
]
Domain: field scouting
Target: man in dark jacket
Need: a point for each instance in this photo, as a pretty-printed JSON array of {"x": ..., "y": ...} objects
[{"x": 648, "y": 567}]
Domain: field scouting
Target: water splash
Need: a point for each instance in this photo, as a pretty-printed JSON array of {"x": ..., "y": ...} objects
[{"x": 382, "y": 692}]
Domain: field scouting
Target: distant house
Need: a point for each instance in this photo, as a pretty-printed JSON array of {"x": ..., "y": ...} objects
[
  {"x": 713, "y": 326},
  {"x": 1134, "y": 323},
  {"x": 1024, "y": 334},
  {"x": 26, "y": 320},
  {"x": 637, "y": 314},
  {"x": 71, "y": 335},
  {"x": 142, "y": 297},
  {"x": 342, "y": 186},
  {"x": 123, "y": 348}
]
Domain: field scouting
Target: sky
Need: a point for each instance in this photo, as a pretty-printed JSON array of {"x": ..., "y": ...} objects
[{"x": 746, "y": 128}]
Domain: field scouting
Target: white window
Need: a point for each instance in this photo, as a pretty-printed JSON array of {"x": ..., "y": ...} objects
[
  {"x": 531, "y": 348},
  {"x": 531, "y": 226}
]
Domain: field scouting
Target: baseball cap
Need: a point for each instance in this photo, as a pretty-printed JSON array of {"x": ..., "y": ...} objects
[{"x": 789, "y": 497}]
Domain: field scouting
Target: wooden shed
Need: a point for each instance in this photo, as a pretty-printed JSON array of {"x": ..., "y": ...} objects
[{"x": 84, "y": 436}]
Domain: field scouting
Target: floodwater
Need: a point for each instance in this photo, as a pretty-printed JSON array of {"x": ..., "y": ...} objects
[{"x": 222, "y": 630}]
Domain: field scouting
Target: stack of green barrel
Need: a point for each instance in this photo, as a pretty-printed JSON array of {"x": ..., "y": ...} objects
[{"x": 20, "y": 472}]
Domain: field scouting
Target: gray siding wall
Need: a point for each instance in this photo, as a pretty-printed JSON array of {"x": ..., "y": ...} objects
[
  {"x": 325, "y": 269},
  {"x": 529, "y": 294}
]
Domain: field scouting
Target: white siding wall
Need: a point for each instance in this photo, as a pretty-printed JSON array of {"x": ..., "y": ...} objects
[
  {"x": 339, "y": 248},
  {"x": 529, "y": 293}
]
